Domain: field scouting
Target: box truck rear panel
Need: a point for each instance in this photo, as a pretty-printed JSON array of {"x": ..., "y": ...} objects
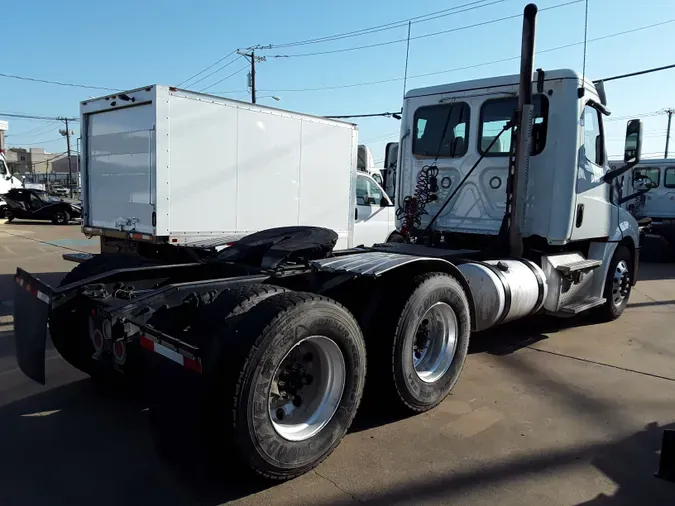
[{"x": 120, "y": 165}]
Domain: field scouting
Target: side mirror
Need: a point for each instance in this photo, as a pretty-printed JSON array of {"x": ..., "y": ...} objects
[{"x": 633, "y": 146}]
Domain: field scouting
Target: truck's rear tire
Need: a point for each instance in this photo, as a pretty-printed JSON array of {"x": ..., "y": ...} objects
[
  {"x": 293, "y": 368},
  {"x": 426, "y": 342},
  {"x": 617, "y": 285},
  {"x": 167, "y": 418},
  {"x": 69, "y": 324}
]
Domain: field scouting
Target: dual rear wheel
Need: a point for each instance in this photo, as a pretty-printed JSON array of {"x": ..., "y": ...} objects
[{"x": 284, "y": 372}]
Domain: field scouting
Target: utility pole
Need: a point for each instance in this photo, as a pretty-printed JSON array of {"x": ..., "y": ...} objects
[
  {"x": 669, "y": 112},
  {"x": 249, "y": 54},
  {"x": 67, "y": 133}
]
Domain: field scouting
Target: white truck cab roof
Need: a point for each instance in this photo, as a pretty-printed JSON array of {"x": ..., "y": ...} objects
[{"x": 494, "y": 82}]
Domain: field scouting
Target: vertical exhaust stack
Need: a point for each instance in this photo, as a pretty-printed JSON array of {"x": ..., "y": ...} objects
[{"x": 524, "y": 125}]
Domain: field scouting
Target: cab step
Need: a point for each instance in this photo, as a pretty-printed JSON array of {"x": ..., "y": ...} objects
[
  {"x": 583, "y": 305},
  {"x": 578, "y": 266}
]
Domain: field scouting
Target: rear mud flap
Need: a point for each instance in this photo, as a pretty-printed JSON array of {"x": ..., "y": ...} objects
[{"x": 31, "y": 311}]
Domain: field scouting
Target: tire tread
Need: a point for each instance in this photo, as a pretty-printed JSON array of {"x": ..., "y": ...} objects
[{"x": 417, "y": 282}]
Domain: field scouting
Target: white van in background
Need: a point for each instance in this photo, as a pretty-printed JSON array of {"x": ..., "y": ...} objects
[
  {"x": 7, "y": 181},
  {"x": 658, "y": 203}
]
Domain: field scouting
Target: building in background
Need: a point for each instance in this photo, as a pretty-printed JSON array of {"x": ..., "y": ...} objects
[
  {"x": 4, "y": 126},
  {"x": 35, "y": 165}
]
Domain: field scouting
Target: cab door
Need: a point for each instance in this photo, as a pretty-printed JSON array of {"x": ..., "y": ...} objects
[
  {"x": 595, "y": 213},
  {"x": 373, "y": 214}
]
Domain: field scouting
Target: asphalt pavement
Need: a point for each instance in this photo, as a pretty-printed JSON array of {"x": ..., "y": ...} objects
[{"x": 546, "y": 412}]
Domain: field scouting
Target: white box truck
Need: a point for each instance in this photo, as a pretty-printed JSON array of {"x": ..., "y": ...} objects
[
  {"x": 260, "y": 353},
  {"x": 164, "y": 166}
]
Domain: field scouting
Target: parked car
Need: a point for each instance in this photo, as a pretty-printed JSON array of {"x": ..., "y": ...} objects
[
  {"x": 29, "y": 204},
  {"x": 57, "y": 189}
]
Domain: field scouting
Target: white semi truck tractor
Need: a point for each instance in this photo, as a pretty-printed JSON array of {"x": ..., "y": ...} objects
[{"x": 507, "y": 208}]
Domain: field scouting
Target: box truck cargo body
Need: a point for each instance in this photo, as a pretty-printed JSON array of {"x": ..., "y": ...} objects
[{"x": 168, "y": 165}]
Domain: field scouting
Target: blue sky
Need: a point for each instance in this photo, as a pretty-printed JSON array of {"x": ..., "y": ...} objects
[{"x": 127, "y": 44}]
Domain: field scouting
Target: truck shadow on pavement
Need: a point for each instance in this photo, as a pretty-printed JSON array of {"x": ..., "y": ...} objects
[
  {"x": 81, "y": 444},
  {"x": 629, "y": 462}
]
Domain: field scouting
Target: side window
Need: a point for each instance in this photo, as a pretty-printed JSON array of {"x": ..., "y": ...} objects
[
  {"x": 494, "y": 114},
  {"x": 654, "y": 174},
  {"x": 593, "y": 138},
  {"x": 3, "y": 169},
  {"x": 669, "y": 178},
  {"x": 367, "y": 192},
  {"x": 429, "y": 124}
]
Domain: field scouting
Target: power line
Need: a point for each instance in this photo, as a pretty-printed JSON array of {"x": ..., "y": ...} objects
[
  {"x": 34, "y": 131},
  {"x": 41, "y": 142},
  {"x": 226, "y": 77},
  {"x": 638, "y": 73},
  {"x": 57, "y": 83},
  {"x": 207, "y": 68},
  {"x": 433, "y": 34},
  {"x": 636, "y": 116},
  {"x": 385, "y": 136},
  {"x": 214, "y": 72},
  {"x": 389, "y": 26},
  {"x": 383, "y": 114},
  {"x": 33, "y": 116},
  {"x": 502, "y": 60}
]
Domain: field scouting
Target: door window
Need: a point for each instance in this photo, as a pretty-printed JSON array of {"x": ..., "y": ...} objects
[
  {"x": 669, "y": 178},
  {"x": 367, "y": 192},
  {"x": 654, "y": 174},
  {"x": 3, "y": 169},
  {"x": 35, "y": 201},
  {"x": 593, "y": 137}
]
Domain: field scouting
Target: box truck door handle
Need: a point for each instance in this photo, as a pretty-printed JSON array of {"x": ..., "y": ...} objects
[
  {"x": 580, "y": 215},
  {"x": 356, "y": 213}
]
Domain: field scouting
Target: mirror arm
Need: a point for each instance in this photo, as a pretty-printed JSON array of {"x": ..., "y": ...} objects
[
  {"x": 631, "y": 197},
  {"x": 613, "y": 174}
]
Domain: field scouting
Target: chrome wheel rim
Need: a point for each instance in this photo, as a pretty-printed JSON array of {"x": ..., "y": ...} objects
[
  {"x": 307, "y": 388},
  {"x": 620, "y": 283},
  {"x": 435, "y": 342}
]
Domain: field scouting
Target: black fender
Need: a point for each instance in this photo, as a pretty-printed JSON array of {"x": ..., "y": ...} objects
[{"x": 391, "y": 266}]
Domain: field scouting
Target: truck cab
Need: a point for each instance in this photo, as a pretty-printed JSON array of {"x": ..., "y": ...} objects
[{"x": 565, "y": 196}]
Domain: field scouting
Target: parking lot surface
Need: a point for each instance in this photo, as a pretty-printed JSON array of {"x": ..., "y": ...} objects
[{"x": 546, "y": 412}]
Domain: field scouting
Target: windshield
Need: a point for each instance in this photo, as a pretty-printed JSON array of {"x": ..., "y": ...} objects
[{"x": 45, "y": 197}]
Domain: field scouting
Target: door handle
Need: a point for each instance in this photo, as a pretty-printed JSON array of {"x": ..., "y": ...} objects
[
  {"x": 356, "y": 213},
  {"x": 580, "y": 215}
]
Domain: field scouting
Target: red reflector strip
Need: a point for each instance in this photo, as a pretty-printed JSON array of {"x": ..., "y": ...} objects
[
  {"x": 141, "y": 237},
  {"x": 188, "y": 363},
  {"x": 192, "y": 365},
  {"x": 32, "y": 290}
]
